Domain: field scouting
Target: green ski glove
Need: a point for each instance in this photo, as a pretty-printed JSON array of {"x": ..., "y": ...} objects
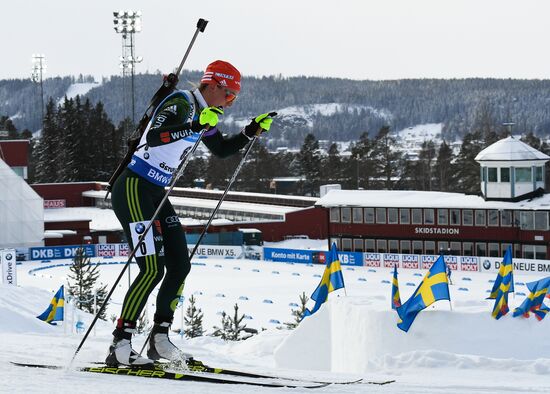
[
  {"x": 259, "y": 124},
  {"x": 209, "y": 116}
]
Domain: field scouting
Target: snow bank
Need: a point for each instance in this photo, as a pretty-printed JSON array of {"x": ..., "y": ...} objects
[{"x": 347, "y": 335}]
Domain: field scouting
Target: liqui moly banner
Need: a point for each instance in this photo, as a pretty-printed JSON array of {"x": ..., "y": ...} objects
[
  {"x": 451, "y": 261},
  {"x": 411, "y": 261},
  {"x": 371, "y": 259},
  {"x": 427, "y": 260},
  {"x": 469, "y": 263},
  {"x": 9, "y": 266},
  {"x": 390, "y": 260},
  {"x": 106, "y": 250}
]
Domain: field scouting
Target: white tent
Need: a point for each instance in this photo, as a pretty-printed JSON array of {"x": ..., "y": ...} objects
[{"x": 21, "y": 211}]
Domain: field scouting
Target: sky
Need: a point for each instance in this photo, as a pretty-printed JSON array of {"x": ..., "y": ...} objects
[{"x": 357, "y": 39}]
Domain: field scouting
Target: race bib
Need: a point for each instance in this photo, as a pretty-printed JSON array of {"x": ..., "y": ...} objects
[{"x": 147, "y": 247}]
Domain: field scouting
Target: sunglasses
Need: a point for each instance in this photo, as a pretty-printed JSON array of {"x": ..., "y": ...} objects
[{"x": 229, "y": 95}]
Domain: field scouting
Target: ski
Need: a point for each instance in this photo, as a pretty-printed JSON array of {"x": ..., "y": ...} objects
[{"x": 201, "y": 377}]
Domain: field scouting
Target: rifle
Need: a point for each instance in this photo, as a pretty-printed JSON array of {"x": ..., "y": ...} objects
[{"x": 168, "y": 86}]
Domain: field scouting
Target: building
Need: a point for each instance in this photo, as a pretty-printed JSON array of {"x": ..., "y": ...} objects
[{"x": 512, "y": 210}]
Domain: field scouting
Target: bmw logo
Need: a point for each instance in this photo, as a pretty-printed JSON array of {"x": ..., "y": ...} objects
[
  {"x": 146, "y": 155},
  {"x": 140, "y": 228},
  {"x": 487, "y": 264},
  {"x": 9, "y": 256}
]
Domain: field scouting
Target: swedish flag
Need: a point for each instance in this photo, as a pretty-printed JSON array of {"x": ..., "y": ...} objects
[
  {"x": 534, "y": 301},
  {"x": 504, "y": 284},
  {"x": 332, "y": 279},
  {"x": 434, "y": 287},
  {"x": 395, "y": 298},
  {"x": 506, "y": 270},
  {"x": 54, "y": 312}
]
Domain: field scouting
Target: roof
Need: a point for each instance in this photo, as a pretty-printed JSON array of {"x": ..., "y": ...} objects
[
  {"x": 510, "y": 149},
  {"x": 423, "y": 199}
]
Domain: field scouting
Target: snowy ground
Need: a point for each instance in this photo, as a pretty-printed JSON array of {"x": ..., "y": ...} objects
[{"x": 354, "y": 335}]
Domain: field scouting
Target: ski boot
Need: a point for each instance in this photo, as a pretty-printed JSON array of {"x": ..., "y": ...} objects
[
  {"x": 160, "y": 345},
  {"x": 121, "y": 352}
]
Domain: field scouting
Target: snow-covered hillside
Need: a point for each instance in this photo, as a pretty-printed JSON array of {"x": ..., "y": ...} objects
[{"x": 353, "y": 335}]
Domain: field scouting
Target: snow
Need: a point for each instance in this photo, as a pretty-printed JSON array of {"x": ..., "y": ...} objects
[
  {"x": 78, "y": 89},
  {"x": 353, "y": 335},
  {"x": 510, "y": 149}
]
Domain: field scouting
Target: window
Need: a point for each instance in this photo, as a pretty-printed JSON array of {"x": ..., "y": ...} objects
[
  {"x": 417, "y": 216},
  {"x": 503, "y": 248},
  {"x": 505, "y": 175},
  {"x": 455, "y": 217},
  {"x": 505, "y": 218},
  {"x": 430, "y": 247},
  {"x": 526, "y": 220},
  {"x": 381, "y": 215},
  {"x": 357, "y": 245},
  {"x": 405, "y": 247},
  {"x": 346, "y": 244},
  {"x": 492, "y": 217},
  {"x": 455, "y": 248},
  {"x": 346, "y": 215},
  {"x": 467, "y": 217},
  {"x": 523, "y": 174},
  {"x": 539, "y": 174},
  {"x": 528, "y": 252},
  {"x": 394, "y": 246},
  {"x": 468, "y": 248},
  {"x": 381, "y": 246},
  {"x": 370, "y": 245},
  {"x": 404, "y": 216},
  {"x": 369, "y": 215},
  {"x": 442, "y": 247},
  {"x": 417, "y": 247},
  {"x": 481, "y": 249},
  {"x": 540, "y": 252},
  {"x": 484, "y": 174},
  {"x": 392, "y": 216},
  {"x": 493, "y": 250},
  {"x": 492, "y": 174},
  {"x": 429, "y": 216},
  {"x": 480, "y": 217},
  {"x": 335, "y": 241},
  {"x": 357, "y": 215},
  {"x": 541, "y": 220},
  {"x": 442, "y": 216},
  {"x": 335, "y": 215}
]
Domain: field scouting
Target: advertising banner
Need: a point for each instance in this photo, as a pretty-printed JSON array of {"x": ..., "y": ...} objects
[
  {"x": 60, "y": 252},
  {"x": 371, "y": 259},
  {"x": 9, "y": 266},
  {"x": 427, "y": 260},
  {"x": 390, "y": 260},
  {"x": 451, "y": 262},
  {"x": 220, "y": 251},
  {"x": 469, "y": 263},
  {"x": 410, "y": 261},
  {"x": 288, "y": 255},
  {"x": 492, "y": 264}
]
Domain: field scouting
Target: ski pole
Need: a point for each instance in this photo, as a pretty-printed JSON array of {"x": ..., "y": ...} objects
[
  {"x": 167, "y": 87},
  {"x": 176, "y": 177},
  {"x": 213, "y": 214}
]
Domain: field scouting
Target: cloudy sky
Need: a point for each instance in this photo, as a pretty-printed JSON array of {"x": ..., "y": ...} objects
[{"x": 358, "y": 39}]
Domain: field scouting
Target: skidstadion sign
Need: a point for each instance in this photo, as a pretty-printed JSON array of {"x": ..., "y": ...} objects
[{"x": 9, "y": 266}]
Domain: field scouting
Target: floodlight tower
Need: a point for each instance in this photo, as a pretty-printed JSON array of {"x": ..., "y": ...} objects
[
  {"x": 38, "y": 69},
  {"x": 128, "y": 23},
  {"x": 509, "y": 125}
]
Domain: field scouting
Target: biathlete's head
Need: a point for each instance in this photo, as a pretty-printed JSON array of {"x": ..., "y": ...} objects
[{"x": 220, "y": 84}]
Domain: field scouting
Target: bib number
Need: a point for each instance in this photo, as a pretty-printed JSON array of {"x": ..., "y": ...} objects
[{"x": 147, "y": 246}]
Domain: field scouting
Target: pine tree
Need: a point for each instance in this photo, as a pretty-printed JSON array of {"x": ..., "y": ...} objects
[
  {"x": 193, "y": 320},
  {"x": 231, "y": 328},
  {"x": 298, "y": 313},
  {"x": 310, "y": 165},
  {"x": 425, "y": 165},
  {"x": 82, "y": 279},
  {"x": 332, "y": 165},
  {"x": 467, "y": 169},
  {"x": 387, "y": 160},
  {"x": 45, "y": 156},
  {"x": 444, "y": 168},
  {"x": 361, "y": 165}
]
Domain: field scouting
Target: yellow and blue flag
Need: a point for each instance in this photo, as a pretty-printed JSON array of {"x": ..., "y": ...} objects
[
  {"x": 434, "y": 287},
  {"x": 332, "y": 279},
  {"x": 506, "y": 270},
  {"x": 504, "y": 284},
  {"x": 54, "y": 312},
  {"x": 534, "y": 301},
  {"x": 395, "y": 298}
]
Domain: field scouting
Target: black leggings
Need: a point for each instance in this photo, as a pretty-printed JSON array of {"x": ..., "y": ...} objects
[{"x": 135, "y": 199}]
